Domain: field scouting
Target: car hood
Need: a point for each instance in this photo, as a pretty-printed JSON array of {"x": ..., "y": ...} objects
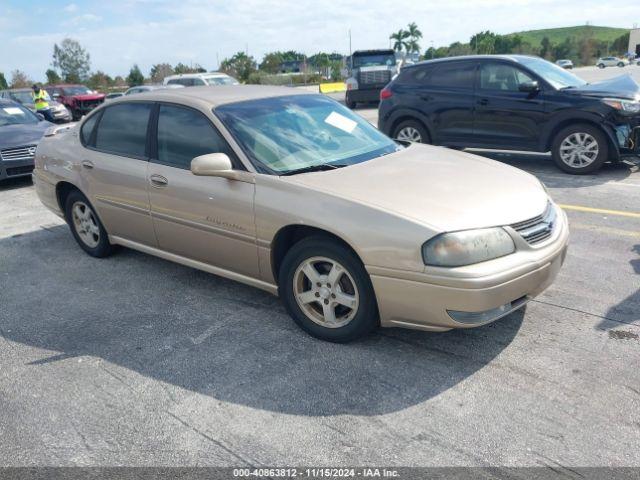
[
  {"x": 18, "y": 135},
  {"x": 623, "y": 86},
  {"x": 89, "y": 96},
  {"x": 440, "y": 188}
]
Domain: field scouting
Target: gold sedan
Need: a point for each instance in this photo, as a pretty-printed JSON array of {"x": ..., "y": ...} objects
[{"x": 292, "y": 193}]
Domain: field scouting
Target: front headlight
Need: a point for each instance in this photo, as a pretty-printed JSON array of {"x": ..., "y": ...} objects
[
  {"x": 467, "y": 247},
  {"x": 625, "y": 106}
]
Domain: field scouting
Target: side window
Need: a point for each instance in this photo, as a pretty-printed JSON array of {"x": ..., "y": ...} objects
[
  {"x": 198, "y": 82},
  {"x": 123, "y": 129},
  {"x": 175, "y": 81},
  {"x": 184, "y": 134},
  {"x": 453, "y": 75},
  {"x": 87, "y": 129},
  {"x": 414, "y": 76},
  {"x": 498, "y": 76}
]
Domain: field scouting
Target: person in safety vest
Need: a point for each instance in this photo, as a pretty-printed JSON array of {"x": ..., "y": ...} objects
[{"x": 40, "y": 102}]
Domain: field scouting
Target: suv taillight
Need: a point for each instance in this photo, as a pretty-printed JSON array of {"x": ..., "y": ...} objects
[{"x": 385, "y": 93}]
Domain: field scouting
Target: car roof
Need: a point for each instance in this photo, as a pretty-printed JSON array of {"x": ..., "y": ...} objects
[
  {"x": 215, "y": 96},
  {"x": 7, "y": 102},
  {"x": 511, "y": 58},
  {"x": 198, "y": 74},
  {"x": 24, "y": 89}
]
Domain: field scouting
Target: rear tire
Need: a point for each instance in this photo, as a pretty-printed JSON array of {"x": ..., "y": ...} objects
[
  {"x": 86, "y": 227},
  {"x": 327, "y": 291},
  {"x": 350, "y": 103},
  {"x": 411, "y": 131},
  {"x": 601, "y": 65},
  {"x": 621, "y": 64},
  {"x": 580, "y": 149}
]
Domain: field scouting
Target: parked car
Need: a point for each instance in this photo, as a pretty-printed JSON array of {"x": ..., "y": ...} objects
[
  {"x": 23, "y": 96},
  {"x": 514, "y": 102},
  {"x": 150, "y": 88},
  {"x": 295, "y": 194},
  {"x": 112, "y": 95},
  {"x": 20, "y": 133},
  {"x": 199, "y": 79},
  {"x": 568, "y": 64},
  {"x": 370, "y": 71},
  {"x": 78, "y": 99},
  {"x": 611, "y": 62}
]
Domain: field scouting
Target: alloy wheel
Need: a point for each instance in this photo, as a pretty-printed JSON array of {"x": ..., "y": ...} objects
[
  {"x": 409, "y": 134},
  {"x": 326, "y": 292},
  {"x": 85, "y": 224},
  {"x": 579, "y": 150}
]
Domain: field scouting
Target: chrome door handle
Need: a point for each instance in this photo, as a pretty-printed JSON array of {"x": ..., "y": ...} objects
[
  {"x": 158, "y": 181},
  {"x": 87, "y": 164}
]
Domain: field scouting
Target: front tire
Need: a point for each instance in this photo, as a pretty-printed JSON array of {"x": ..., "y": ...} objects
[
  {"x": 327, "y": 291},
  {"x": 411, "y": 131},
  {"x": 601, "y": 65},
  {"x": 621, "y": 64},
  {"x": 350, "y": 103},
  {"x": 580, "y": 149},
  {"x": 86, "y": 227}
]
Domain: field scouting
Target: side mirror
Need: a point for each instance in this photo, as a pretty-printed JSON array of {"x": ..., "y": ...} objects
[
  {"x": 219, "y": 165},
  {"x": 529, "y": 87}
]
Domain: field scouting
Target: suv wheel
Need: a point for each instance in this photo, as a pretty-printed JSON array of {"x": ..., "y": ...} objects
[
  {"x": 86, "y": 226},
  {"x": 580, "y": 149},
  {"x": 327, "y": 291},
  {"x": 601, "y": 65},
  {"x": 411, "y": 131}
]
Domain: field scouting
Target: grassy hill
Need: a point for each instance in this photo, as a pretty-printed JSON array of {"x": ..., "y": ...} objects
[{"x": 558, "y": 35}]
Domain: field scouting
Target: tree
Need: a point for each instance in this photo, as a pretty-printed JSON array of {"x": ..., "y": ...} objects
[
  {"x": 400, "y": 40},
  {"x": 415, "y": 35},
  {"x": 52, "y": 76},
  {"x": 19, "y": 79},
  {"x": 119, "y": 82},
  {"x": 182, "y": 68},
  {"x": 545, "y": 47},
  {"x": 159, "y": 71},
  {"x": 99, "y": 80},
  {"x": 72, "y": 60},
  {"x": 135, "y": 76},
  {"x": 3, "y": 82},
  {"x": 271, "y": 62},
  {"x": 240, "y": 66}
]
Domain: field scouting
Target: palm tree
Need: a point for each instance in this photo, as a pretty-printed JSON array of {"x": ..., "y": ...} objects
[
  {"x": 400, "y": 40},
  {"x": 414, "y": 31}
]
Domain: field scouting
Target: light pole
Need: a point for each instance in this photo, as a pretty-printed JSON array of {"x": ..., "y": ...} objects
[{"x": 433, "y": 52}]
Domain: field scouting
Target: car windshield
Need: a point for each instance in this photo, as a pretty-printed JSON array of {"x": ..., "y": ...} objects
[
  {"x": 284, "y": 134},
  {"x": 16, "y": 115},
  {"x": 76, "y": 90},
  {"x": 221, "y": 80},
  {"x": 556, "y": 76},
  {"x": 373, "y": 60}
]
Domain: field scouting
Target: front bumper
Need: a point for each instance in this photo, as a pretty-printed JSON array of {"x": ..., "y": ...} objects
[
  {"x": 364, "y": 95},
  {"x": 482, "y": 294},
  {"x": 61, "y": 115}
]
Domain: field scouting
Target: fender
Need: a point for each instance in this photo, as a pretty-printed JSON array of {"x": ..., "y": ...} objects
[
  {"x": 563, "y": 119},
  {"x": 386, "y": 124}
]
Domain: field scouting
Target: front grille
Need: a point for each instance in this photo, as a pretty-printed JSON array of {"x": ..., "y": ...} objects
[
  {"x": 537, "y": 229},
  {"x": 12, "y": 172},
  {"x": 375, "y": 78},
  {"x": 27, "y": 152},
  {"x": 86, "y": 105}
]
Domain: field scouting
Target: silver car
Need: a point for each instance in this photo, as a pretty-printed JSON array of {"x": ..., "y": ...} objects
[{"x": 611, "y": 62}]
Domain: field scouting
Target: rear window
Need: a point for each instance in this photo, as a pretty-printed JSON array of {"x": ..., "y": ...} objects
[
  {"x": 453, "y": 75},
  {"x": 123, "y": 129}
]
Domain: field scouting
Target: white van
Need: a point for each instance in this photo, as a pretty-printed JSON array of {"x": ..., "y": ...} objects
[{"x": 199, "y": 79}]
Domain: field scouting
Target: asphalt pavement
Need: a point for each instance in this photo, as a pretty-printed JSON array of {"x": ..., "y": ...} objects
[{"x": 133, "y": 360}]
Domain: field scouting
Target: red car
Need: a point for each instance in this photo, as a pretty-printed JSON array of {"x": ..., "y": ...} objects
[{"x": 78, "y": 99}]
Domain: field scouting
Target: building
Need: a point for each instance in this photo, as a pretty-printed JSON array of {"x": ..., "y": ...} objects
[{"x": 634, "y": 41}]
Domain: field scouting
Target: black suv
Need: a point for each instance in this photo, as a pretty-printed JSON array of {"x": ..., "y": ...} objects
[{"x": 514, "y": 102}]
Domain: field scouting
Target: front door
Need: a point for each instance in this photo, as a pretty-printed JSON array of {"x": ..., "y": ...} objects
[
  {"x": 505, "y": 117},
  {"x": 208, "y": 219}
]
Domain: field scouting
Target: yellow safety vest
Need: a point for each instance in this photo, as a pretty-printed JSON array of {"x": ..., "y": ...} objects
[{"x": 40, "y": 100}]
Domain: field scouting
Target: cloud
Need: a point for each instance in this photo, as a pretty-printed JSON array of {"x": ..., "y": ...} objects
[
  {"x": 72, "y": 7},
  {"x": 199, "y": 31}
]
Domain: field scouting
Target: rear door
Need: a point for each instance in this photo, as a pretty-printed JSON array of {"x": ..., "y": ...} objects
[
  {"x": 505, "y": 117},
  {"x": 114, "y": 166},
  {"x": 446, "y": 95},
  {"x": 208, "y": 219}
]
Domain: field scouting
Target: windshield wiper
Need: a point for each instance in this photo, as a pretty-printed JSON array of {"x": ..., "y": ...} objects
[{"x": 313, "y": 168}]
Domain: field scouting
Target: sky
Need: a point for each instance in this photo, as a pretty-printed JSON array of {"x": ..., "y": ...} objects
[{"x": 119, "y": 33}]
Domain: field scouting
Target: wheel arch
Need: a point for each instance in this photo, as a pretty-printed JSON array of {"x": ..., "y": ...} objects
[
  {"x": 289, "y": 235},
  {"x": 614, "y": 151}
]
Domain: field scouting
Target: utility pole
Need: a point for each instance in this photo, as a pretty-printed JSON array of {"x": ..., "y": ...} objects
[{"x": 432, "y": 50}]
